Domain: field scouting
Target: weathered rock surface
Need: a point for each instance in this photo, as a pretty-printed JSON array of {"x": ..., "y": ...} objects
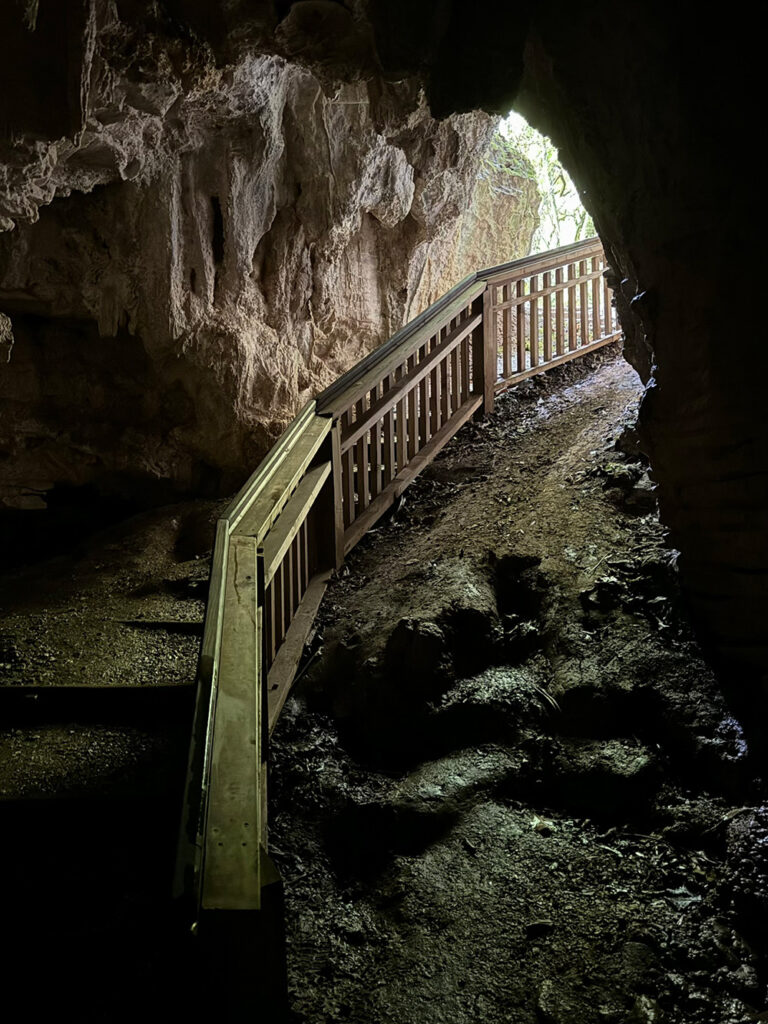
[
  {"x": 215, "y": 244},
  {"x": 647, "y": 103}
]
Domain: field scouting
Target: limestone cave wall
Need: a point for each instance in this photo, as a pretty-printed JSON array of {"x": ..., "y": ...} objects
[{"x": 215, "y": 242}]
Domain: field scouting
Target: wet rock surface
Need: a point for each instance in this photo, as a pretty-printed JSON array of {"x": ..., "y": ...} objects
[{"x": 508, "y": 787}]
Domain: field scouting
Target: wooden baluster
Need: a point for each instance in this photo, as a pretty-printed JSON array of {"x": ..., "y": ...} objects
[
  {"x": 434, "y": 391},
  {"x": 306, "y": 571},
  {"x": 572, "y": 342},
  {"x": 423, "y": 402},
  {"x": 607, "y": 308},
  {"x": 584, "y": 299},
  {"x": 455, "y": 399},
  {"x": 270, "y": 619},
  {"x": 506, "y": 334},
  {"x": 287, "y": 571},
  {"x": 348, "y": 474},
  {"x": 466, "y": 348},
  {"x": 402, "y": 427},
  {"x": 362, "y": 489},
  {"x": 374, "y": 451},
  {"x": 279, "y": 608},
  {"x": 596, "y": 332},
  {"x": 298, "y": 588},
  {"x": 534, "y": 324},
  {"x": 445, "y": 394},
  {"x": 559, "y": 324},
  {"x": 521, "y": 360},
  {"x": 547, "y": 312},
  {"x": 389, "y": 437},
  {"x": 413, "y": 414}
]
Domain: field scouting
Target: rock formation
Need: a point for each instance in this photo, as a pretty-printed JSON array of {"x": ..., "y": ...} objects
[
  {"x": 214, "y": 245},
  {"x": 213, "y": 143}
]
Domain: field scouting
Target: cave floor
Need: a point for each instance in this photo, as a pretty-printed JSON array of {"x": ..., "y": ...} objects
[{"x": 507, "y": 787}]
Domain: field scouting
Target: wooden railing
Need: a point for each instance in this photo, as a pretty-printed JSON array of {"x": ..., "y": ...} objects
[
  {"x": 343, "y": 461},
  {"x": 548, "y": 307}
]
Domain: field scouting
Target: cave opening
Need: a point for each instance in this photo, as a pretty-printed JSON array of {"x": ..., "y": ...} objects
[
  {"x": 508, "y": 784},
  {"x": 562, "y": 218}
]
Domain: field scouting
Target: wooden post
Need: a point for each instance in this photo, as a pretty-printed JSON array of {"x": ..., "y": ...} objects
[
  {"x": 489, "y": 351},
  {"x": 547, "y": 306},
  {"x": 477, "y": 342},
  {"x": 572, "y": 342},
  {"x": 521, "y": 361},
  {"x": 583, "y": 304},
  {"x": 506, "y": 354},
  {"x": 337, "y": 477},
  {"x": 596, "y": 332},
  {"x": 534, "y": 324},
  {"x": 559, "y": 329}
]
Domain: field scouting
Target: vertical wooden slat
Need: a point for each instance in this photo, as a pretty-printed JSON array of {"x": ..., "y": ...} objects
[
  {"x": 559, "y": 325},
  {"x": 595, "y": 329},
  {"x": 339, "y": 475},
  {"x": 413, "y": 410},
  {"x": 607, "y": 308},
  {"x": 572, "y": 308},
  {"x": 278, "y": 606},
  {"x": 362, "y": 489},
  {"x": 434, "y": 389},
  {"x": 347, "y": 473},
  {"x": 506, "y": 334},
  {"x": 455, "y": 399},
  {"x": 307, "y": 569},
  {"x": 402, "y": 435},
  {"x": 374, "y": 450},
  {"x": 298, "y": 571},
  {"x": 488, "y": 370},
  {"x": 423, "y": 403},
  {"x": 465, "y": 381},
  {"x": 478, "y": 344},
  {"x": 271, "y": 618},
  {"x": 547, "y": 311},
  {"x": 288, "y": 579},
  {"x": 533, "y": 327},
  {"x": 446, "y": 387},
  {"x": 584, "y": 296},
  {"x": 520, "y": 292},
  {"x": 389, "y": 437}
]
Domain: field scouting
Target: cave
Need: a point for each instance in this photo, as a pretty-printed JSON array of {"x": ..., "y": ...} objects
[{"x": 209, "y": 212}]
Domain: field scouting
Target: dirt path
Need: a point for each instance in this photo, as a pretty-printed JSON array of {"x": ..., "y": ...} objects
[{"x": 506, "y": 788}]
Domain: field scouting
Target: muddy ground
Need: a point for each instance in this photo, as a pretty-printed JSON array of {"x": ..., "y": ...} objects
[{"x": 507, "y": 787}]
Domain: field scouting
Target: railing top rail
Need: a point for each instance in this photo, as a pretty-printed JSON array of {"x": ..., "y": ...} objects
[
  {"x": 328, "y": 400},
  {"x": 398, "y": 340},
  {"x": 368, "y": 371},
  {"x": 565, "y": 254},
  {"x": 261, "y": 476}
]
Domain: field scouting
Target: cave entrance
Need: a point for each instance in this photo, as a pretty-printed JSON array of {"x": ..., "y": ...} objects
[{"x": 562, "y": 218}]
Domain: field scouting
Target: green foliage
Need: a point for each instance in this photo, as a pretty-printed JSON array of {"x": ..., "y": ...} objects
[
  {"x": 562, "y": 218},
  {"x": 503, "y": 159}
]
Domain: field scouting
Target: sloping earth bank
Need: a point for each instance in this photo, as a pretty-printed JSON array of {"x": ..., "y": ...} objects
[{"x": 507, "y": 788}]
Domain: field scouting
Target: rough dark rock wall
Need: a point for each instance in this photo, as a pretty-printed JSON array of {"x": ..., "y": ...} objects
[
  {"x": 650, "y": 104},
  {"x": 244, "y": 230},
  {"x": 655, "y": 132},
  {"x": 655, "y": 109}
]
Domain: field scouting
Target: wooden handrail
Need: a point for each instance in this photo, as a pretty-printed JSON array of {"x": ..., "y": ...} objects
[
  {"x": 539, "y": 262},
  {"x": 336, "y": 469}
]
